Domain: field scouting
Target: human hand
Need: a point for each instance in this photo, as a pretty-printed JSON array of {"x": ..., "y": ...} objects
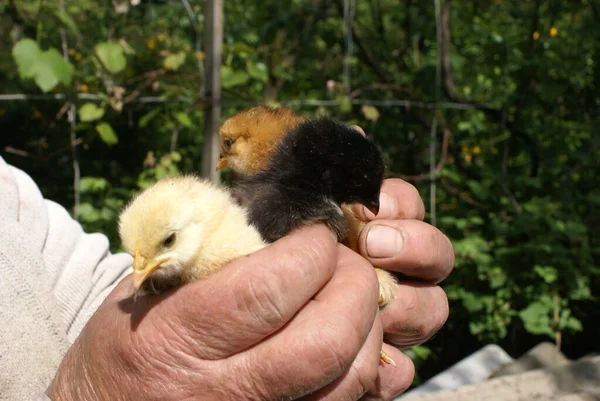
[
  {"x": 398, "y": 240},
  {"x": 294, "y": 320}
]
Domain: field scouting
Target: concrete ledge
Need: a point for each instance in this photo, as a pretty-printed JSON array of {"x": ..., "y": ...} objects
[
  {"x": 542, "y": 356},
  {"x": 576, "y": 381},
  {"x": 473, "y": 369}
]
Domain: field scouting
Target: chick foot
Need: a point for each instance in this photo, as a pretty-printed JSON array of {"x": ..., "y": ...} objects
[
  {"x": 383, "y": 356},
  {"x": 387, "y": 287}
]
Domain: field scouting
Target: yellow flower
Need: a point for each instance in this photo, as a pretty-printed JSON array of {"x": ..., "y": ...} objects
[
  {"x": 151, "y": 43},
  {"x": 553, "y": 32},
  {"x": 200, "y": 55},
  {"x": 468, "y": 158},
  {"x": 83, "y": 87},
  {"x": 536, "y": 35},
  {"x": 187, "y": 48},
  {"x": 160, "y": 37},
  {"x": 465, "y": 149},
  {"x": 77, "y": 56},
  {"x": 476, "y": 150},
  {"x": 71, "y": 52}
]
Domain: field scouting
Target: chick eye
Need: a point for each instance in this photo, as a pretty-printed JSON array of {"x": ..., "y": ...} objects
[
  {"x": 170, "y": 240},
  {"x": 227, "y": 143}
]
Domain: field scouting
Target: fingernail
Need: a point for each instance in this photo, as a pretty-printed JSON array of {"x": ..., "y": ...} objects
[
  {"x": 383, "y": 241},
  {"x": 387, "y": 207}
]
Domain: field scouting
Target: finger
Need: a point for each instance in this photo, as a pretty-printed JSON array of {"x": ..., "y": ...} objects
[
  {"x": 250, "y": 298},
  {"x": 391, "y": 380},
  {"x": 360, "y": 378},
  {"x": 398, "y": 200},
  {"x": 320, "y": 343},
  {"x": 416, "y": 313},
  {"x": 411, "y": 247}
]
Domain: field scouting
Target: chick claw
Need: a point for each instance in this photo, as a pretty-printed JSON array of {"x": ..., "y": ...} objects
[
  {"x": 388, "y": 285},
  {"x": 386, "y": 358}
]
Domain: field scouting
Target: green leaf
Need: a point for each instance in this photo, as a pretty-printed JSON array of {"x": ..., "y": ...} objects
[
  {"x": 93, "y": 184},
  {"x": 174, "y": 61},
  {"x": 547, "y": 273},
  {"x": 90, "y": 112},
  {"x": 421, "y": 351},
  {"x": 44, "y": 78},
  {"x": 184, "y": 119},
  {"x": 536, "y": 318},
  {"x": 26, "y": 53},
  {"x": 107, "y": 134},
  {"x": 111, "y": 55},
  {"x": 61, "y": 69},
  {"x": 229, "y": 78},
  {"x": 258, "y": 71},
  {"x": 572, "y": 323}
]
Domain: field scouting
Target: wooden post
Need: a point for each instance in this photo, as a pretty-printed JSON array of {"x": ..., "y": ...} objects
[{"x": 213, "y": 36}]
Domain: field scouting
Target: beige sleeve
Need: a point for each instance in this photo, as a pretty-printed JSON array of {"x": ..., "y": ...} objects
[
  {"x": 53, "y": 276},
  {"x": 80, "y": 267}
]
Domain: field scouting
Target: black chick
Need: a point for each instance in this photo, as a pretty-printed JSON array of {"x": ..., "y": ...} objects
[{"x": 317, "y": 166}]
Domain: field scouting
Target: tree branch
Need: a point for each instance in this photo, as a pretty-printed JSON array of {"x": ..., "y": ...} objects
[{"x": 456, "y": 191}]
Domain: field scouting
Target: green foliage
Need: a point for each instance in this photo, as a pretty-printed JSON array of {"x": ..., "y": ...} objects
[
  {"x": 47, "y": 68},
  {"x": 107, "y": 134},
  {"x": 112, "y": 56},
  {"x": 517, "y": 188},
  {"x": 174, "y": 61},
  {"x": 90, "y": 112}
]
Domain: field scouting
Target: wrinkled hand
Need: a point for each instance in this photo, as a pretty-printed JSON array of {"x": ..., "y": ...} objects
[
  {"x": 294, "y": 320},
  {"x": 398, "y": 240}
]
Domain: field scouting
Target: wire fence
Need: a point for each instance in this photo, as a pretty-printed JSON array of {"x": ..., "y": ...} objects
[{"x": 349, "y": 7}]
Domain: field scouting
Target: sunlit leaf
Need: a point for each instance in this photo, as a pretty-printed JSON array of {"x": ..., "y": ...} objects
[
  {"x": 61, "y": 69},
  {"x": 184, "y": 119},
  {"x": 107, "y": 133},
  {"x": 111, "y": 55},
  {"x": 174, "y": 61},
  {"x": 230, "y": 78},
  {"x": 26, "y": 52},
  {"x": 258, "y": 71},
  {"x": 90, "y": 112}
]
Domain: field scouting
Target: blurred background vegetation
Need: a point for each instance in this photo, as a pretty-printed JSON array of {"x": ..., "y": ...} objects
[{"x": 515, "y": 138}]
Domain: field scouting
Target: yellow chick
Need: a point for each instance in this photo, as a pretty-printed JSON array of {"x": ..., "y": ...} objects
[{"x": 172, "y": 244}]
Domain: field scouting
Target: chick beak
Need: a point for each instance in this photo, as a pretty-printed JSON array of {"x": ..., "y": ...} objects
[
  {"x": 373, "y": 206},
  {"x": 222, "y": 163},
  {"x": 142, "y": 268}
]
